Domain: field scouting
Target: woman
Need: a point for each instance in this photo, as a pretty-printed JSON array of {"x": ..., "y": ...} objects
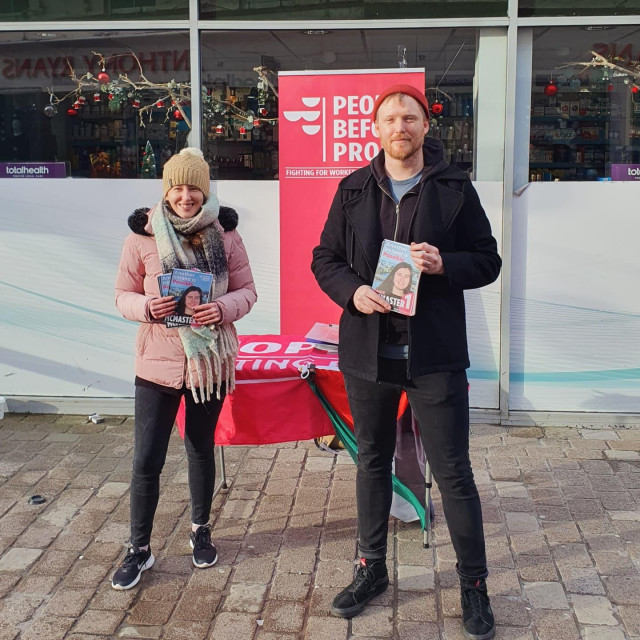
[
  {"x": 184, "y": 230},
  {"x": 398, "y": 282},
  {"x": 188, "y": 301}
]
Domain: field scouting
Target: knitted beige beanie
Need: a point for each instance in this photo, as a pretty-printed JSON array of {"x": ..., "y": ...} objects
[{"x": 187, "y": 167}]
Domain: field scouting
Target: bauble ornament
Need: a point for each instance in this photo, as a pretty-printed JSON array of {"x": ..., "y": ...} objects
[{"x": 103, "y": 77}]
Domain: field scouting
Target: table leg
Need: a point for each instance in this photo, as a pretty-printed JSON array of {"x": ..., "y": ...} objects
[
  {"x": 223, "y": 474},
  {"x": 427, "y": 504}
]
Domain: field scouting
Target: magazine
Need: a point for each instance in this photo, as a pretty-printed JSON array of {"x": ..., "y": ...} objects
[
  {"x": 163, "y": 284},
  {"x": 324, "y": 336},
  {"x": 397, "y": 278},
  {"x": 190, "y": 288}
]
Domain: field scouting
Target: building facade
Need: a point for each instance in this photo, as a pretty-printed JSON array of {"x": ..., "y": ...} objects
[{"x": 538, "y": 100}]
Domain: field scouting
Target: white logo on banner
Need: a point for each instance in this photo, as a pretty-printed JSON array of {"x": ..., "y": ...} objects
[{"x": 307, "y": 116}]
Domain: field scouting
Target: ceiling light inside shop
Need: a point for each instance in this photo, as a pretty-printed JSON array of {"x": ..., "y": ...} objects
[
  {"x": 596, "y": 27},
  {"x": 316, "y": 32}
]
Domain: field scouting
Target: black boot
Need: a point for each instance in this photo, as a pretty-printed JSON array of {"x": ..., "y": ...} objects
[
  {"x": 371, "y": 579},
  {"x": 477, "y": 616}
]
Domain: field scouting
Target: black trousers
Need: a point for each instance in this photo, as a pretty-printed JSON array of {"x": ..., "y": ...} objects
[
  {"x": 155, "y": 414},
  {"x": 440, "y": 402}
]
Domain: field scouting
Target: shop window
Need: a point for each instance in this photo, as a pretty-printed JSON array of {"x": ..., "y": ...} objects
[
  {"x": 348, "y": 9},
  {"x": 46, "y": 116},
  {"x": 41, "y": 10},
  {"x": 585, "y": 120},
  {"x": 238, "y": 150},
  {"x": 527, "y": 8}
]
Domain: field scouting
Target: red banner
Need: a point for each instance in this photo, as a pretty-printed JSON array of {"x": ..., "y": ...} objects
[
  {"x": 326, "y": 132},
  {"x": 272, "y": 403}
]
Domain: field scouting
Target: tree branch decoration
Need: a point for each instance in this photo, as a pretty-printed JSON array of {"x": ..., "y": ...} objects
[
  {"x": 630, "y": 72},
  {"x": 148, "y": 97}
]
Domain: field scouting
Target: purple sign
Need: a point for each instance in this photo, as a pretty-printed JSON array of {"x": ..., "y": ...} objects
[
  {"x": 625, "y": 171},
  {"x": 33, "y": 170}
]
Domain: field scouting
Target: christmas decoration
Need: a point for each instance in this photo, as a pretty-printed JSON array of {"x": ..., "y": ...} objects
[
  {"x": 50, "y": 111},
  {"x": 256, "y": 123},
  {"x": 148, "y": 162},
  {"x": 635, "y": 89},
  {"x": 148, "y": 96},
  {"x": 436, "y": 108},
  {"x": 627, "y": 69},
  {"x": 219, "y": 129},
  {"x": 551, "y": 89},
  {"x": 242, "y": 131},
  {"x": 72, "y": 112},
  {"x": 82, "y": 100}
]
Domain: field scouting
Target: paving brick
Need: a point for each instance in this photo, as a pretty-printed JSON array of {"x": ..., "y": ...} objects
[
  {"x": 290, "y": 586},
  {"x": 247, "y": 598},
  {"x": 554, "y": 625},
  {"x": 51, "y": 628},
  {"x": 68, "y": 602},
  {"x": 19, "y": 559},
  {"x": 623, "y": 589},
  {"x": 102, "y": 623},
  {"x": 374, "y": 621},
  {"x": 582, "y": 580},
  {"x": 545, "y": 595},
  {"x": 536, "y": 568},
  {"x": 603, "y": 633},
  {"x": 184, "y": 629},
  {"x": 150, "y": 613},
  {"x": 593, "y": 610},
  {"x": 418, "y": 631},
  {"x": 413, "y": 605},
  {"x": 327, "y": 629}
]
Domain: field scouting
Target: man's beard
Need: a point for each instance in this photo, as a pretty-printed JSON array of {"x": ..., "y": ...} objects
[{"x": 404, "y": 152}]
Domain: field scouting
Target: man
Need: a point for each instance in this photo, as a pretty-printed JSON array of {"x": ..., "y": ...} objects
[{"x": 409, "y": 194}]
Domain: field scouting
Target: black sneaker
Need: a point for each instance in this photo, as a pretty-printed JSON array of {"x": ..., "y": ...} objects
[
  {"x": 204, "y": 553},
  {"x": 477, "y": 617},
  {"x": 371, "y": 580},
  {"x": 135, "y": 562}
]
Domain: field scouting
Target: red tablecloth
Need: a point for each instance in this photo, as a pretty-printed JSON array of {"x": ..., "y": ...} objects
[{"x": 272, "y": 403}]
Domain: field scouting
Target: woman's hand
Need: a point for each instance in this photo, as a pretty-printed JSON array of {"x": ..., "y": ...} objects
[
  {"x": 207, "y": 313},
  {"x": 160, "y": 308}
]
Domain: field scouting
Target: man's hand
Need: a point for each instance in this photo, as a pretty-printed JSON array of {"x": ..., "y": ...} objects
[
  {"x": 427, "y": 258},
  {"x": 160, "y": 308},
  {"x": 207, "y": 313},
  {"x": 366, "y": 300}
]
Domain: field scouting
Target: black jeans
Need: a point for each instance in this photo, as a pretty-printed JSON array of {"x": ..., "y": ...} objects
[
  {"x": 155, "y": 414},
  {"x": 440, "y": 402}
]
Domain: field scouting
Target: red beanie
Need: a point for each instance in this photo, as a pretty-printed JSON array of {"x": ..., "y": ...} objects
[{"x": 407, "y": 90}]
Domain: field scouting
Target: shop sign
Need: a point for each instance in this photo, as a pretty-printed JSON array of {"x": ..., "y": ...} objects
[
  {"x": 326, "y": 133},
  {"x": 33, "y": 170},
  {"x": 625, "y": 172}
]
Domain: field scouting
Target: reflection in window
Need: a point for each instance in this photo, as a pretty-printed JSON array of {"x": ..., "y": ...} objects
[
  {"x": 348, "y": 9},
  {"x": 240, "y": 150},
  {"x": 30, "y": 11},
  {"x": 98, "y": 136},
  {"x": 585, "y": 122},
  {"x": 528, "y": 8}
]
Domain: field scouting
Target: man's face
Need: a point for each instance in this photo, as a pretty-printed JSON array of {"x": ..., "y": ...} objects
[{"x": 402, "y": 125}]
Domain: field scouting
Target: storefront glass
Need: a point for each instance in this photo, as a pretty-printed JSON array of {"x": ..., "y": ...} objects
[
  {"x": 585, "y": 120},
  {"x": 527, "y": 8},
  {"x": 237, "y": 150},
  {"x": 348, "y": 9},
  {"x": 96, "y": 129},
  {"x": 32, "y": 11}
]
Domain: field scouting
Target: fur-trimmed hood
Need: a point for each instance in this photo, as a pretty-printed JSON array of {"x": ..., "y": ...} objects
[{"x": 139, "y": 219}]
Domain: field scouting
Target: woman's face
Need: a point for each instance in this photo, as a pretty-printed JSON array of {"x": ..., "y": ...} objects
[
  {"x": 185, "y": 200},
  {"x": 401, "y": 279},
  {"x": 191, "y": 301}
]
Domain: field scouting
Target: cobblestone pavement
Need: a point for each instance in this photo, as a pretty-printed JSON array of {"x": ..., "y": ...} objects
[{"x": 561, "y": 509}]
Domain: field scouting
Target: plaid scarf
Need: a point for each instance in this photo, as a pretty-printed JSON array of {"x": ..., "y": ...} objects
[{"x": 210, "y": 350}]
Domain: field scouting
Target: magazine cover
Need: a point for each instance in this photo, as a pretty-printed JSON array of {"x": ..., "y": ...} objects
[
  {"x": 190, "y": 288},
  {"x": 163, "y": 284},
  {"x": 397, "y": 278},
  {"x": 324, "y": 336}
]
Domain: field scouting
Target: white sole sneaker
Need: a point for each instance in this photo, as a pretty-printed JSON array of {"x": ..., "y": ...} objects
[
  {"x": 203, "y": 565},
  {"x": 147, "y": 565}
]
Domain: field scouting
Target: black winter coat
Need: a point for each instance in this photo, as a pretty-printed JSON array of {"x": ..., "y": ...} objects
[{"x": 449, "y": 216}]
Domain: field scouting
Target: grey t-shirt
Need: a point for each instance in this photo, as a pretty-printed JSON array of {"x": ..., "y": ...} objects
[{"x": 400, "y": 187}]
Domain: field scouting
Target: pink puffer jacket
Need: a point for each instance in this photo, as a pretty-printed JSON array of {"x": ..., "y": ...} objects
[{"x": 160, "y": 356}]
